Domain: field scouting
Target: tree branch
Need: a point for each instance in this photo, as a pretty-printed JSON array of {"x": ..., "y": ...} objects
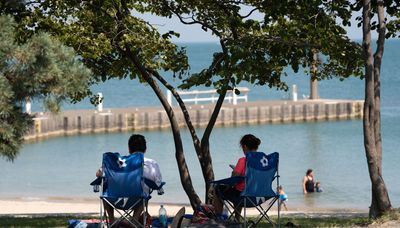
[
  {"x": 218, "y": 105},
  {"x": 196, "y": 141},
  {"x": 194, "y": 21},
  {"x": 214, "y": 115},
  {"x": 377, "y": 72},
  {"x": 381, "y": 32},
  {"x": 249, "y": 14}
]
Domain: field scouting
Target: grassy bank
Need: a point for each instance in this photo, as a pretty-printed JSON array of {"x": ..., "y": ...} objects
[
  {"x": 62, "y": 221},
  {"x": 46, "y": 221},
  {"x": 323, "y": 222},
  {"x": 303, "y": 220}
]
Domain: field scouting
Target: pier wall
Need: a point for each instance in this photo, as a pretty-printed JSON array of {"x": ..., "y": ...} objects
[{"x": 130, "y": 119}]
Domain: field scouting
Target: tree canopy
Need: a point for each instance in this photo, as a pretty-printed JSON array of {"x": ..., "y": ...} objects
[
  {"x": 41, "y": 68},
  {"x": 101, "y": 30},
  {"x": 283, "y": 33}
]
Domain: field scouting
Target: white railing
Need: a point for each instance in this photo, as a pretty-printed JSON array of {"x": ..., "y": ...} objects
[
  {"x": 201, "y": 96},
  {"x": 100, "y": 105},
  {"x": 28, "y": 105}
]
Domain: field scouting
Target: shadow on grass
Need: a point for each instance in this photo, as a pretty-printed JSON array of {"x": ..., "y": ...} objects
[
  {"x": 320, "y": 222},
  {"x": 293, "y": 220},
  {"x": 39, "y": 221}
]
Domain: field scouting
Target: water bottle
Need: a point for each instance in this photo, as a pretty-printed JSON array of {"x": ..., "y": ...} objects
[
  {"x": 96, "y": 188},
  {"x": 162, "y": 215},
  {"x": 225, "y": 213}
]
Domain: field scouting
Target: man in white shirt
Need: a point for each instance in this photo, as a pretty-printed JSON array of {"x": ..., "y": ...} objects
[{"x": 151, "y": 171}]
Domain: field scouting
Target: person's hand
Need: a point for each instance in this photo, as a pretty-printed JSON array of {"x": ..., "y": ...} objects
[
  {"x": 99, "y": 173},
  {"x": 305, "y": 192}
]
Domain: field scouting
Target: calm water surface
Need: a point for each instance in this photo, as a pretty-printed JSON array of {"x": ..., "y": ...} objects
[{"x": 63, "y": 167}]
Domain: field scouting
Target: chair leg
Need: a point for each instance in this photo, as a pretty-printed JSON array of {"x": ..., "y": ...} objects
[
  {"x": 144, "y": 214},
  {"x": 263, "y": 213},
  {"x": 126, "y": 215},
  {"x": 245, "y": 219},
  {"x": 279, "y": 214},
  {"x": 234, "y": 211}
]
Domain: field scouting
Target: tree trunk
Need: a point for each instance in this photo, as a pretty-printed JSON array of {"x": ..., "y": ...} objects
[
  {"x": 206, "y": 166},
  {"x": 186, "y": 180},
  {"x": 380, "y": 202},
  {"x": 202, "y": 148},
  {"x": 313, "y": 78}
]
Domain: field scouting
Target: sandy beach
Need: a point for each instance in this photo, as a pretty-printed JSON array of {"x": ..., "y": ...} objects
[
  {"x": 33, "y": 207},
  {"x": 60, "y": 206}
]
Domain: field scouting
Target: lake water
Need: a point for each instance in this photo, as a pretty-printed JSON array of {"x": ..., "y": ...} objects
[{"x": 63, "y": 167}]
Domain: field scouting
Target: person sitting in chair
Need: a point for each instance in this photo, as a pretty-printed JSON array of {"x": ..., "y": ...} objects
[
  {"x": 248, "y": 143},
  {"x": 151, "y": 171}
]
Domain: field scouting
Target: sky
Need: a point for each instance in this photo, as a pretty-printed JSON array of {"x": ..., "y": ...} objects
[{"x": 194, "y": 33}]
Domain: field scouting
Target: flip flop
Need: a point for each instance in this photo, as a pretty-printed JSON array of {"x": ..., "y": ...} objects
[{"x": 176, "y": 222}]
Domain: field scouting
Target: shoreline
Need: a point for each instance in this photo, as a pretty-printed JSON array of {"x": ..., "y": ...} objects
[{"x": 61, "y": 206}]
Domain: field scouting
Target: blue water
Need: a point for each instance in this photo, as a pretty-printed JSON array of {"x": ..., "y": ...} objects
[{"x": 63, "y": 167}]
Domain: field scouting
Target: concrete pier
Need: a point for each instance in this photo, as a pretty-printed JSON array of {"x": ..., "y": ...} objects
[{"x": 153, "y": 118}]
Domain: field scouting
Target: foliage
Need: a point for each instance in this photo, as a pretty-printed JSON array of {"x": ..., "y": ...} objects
[
  {"x": 392, "y": 16},
  {"x": 15, "y": 8},
  {"x": 100, "y": 30},
  {"x": 42, "y": 69},
  {"x": 258, "y": 49}
]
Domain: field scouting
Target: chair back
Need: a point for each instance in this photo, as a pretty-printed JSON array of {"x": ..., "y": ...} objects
[
  {"x": 123, "y": 175},
  {"x": 261, "y": 171}
]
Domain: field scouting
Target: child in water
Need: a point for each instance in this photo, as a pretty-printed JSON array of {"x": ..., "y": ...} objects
[
  {"x": 318, "y": 187},
  {"x": 283, "y": 198}
]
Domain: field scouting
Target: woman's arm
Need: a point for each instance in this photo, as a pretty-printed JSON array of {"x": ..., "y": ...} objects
[
  {"x": 304, "y": 184},
  {"x": 240, "y": 168},
  {"x": 234, "y": 174}
]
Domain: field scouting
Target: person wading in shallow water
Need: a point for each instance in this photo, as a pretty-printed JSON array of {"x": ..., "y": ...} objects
[{"x": 308, "y": 182}]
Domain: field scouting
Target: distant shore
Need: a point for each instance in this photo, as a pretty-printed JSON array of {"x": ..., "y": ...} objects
[{"x": 19, "y": 207}]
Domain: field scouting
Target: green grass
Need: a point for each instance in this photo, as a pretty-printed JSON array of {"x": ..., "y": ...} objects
[
  {"x": 46, "y": 221},
  {"x": 393, "y": 215},
  {"x": 322, "y": 222},
  {"x": 62, "y": 221}
]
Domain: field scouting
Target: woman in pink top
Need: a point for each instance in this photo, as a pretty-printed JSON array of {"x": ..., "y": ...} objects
[{"x": 248, "y": 143}]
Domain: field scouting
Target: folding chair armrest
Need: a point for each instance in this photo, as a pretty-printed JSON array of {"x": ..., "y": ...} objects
[
  {"x": 228, "y": 181},
  {"x": 151, "y": 184},
  {"x": 97, "y": 181}
]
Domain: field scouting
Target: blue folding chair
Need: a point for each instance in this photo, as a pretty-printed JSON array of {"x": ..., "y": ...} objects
[
  {"x": 122, "y": 187},
  {"x": 261, "y": 172}
]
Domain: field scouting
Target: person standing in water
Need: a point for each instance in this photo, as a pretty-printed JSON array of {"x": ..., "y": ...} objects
[
  {"x": 308, "y": 182},
  {"x": 283, "y": 198}
]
